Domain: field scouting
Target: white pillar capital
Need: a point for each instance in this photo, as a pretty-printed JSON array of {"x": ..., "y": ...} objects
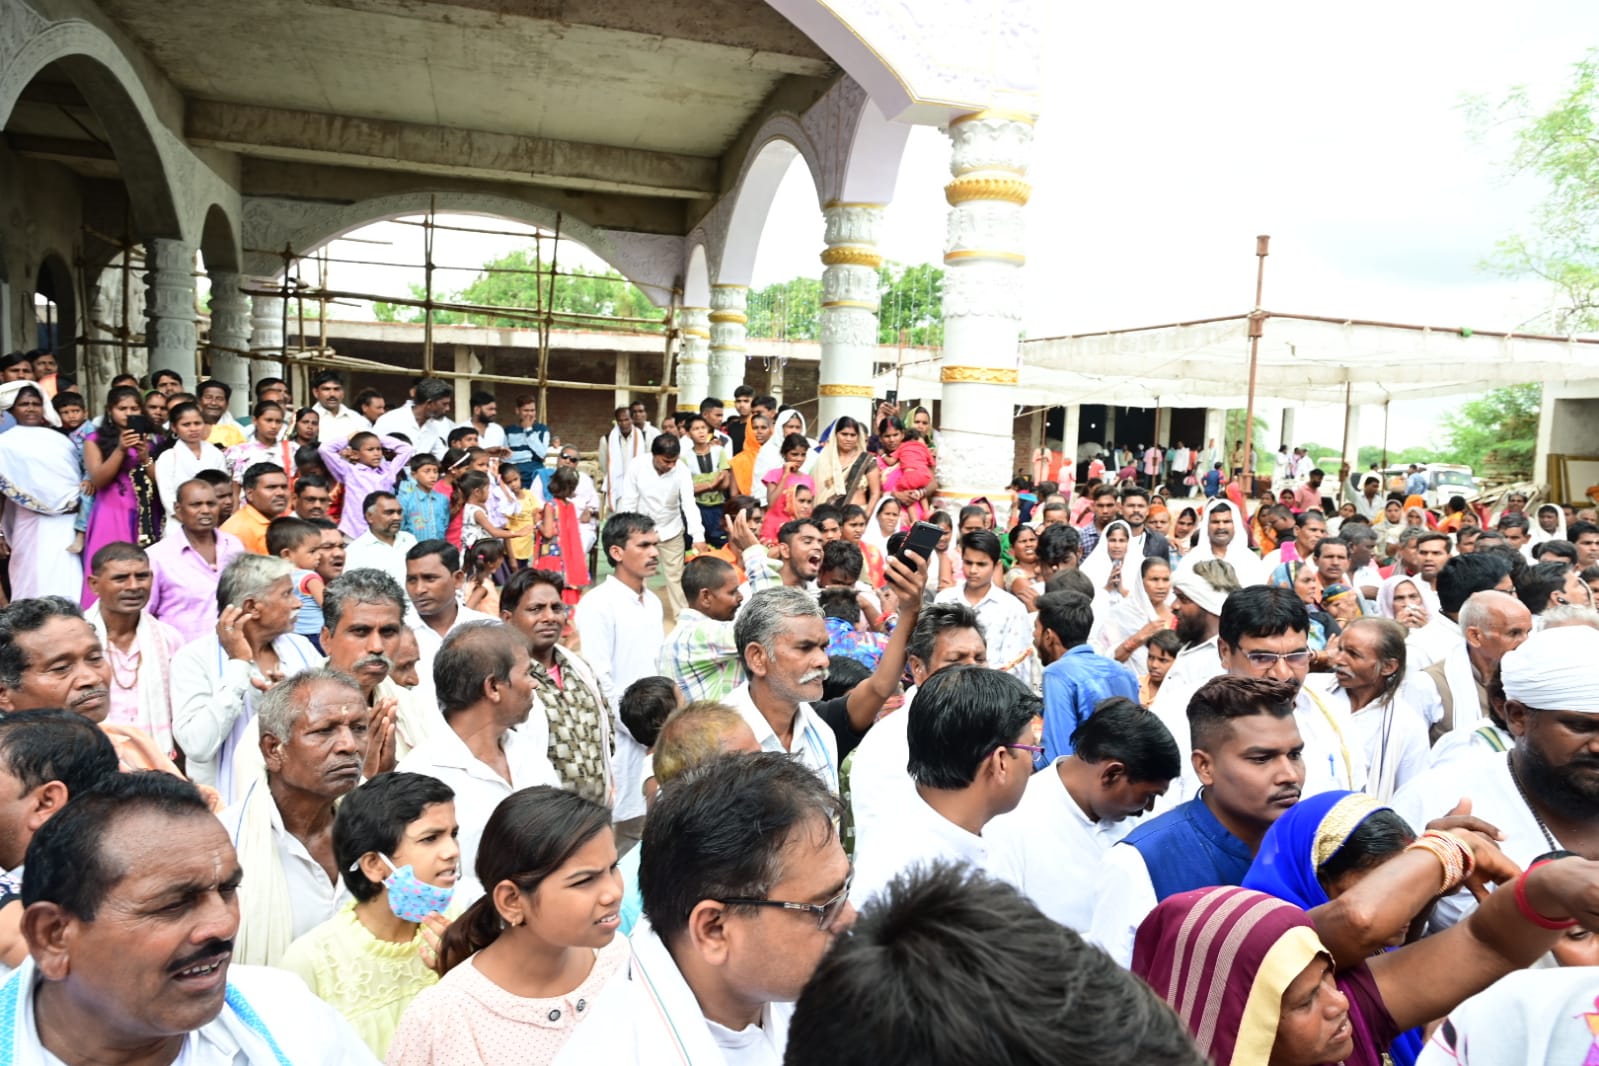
[
  {"x": 171, "y": 334},
  {"x": 983, "y": 252},
  {"x": 729, "y": 320},
  {"x": 850, "y": 293},
  {"x": 693, "y": 357}
]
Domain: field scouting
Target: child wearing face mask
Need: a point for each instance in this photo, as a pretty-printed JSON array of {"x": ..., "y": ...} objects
[{"x": 394, "y": 839}]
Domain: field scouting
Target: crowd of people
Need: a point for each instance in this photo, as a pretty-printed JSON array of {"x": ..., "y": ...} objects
[{"x": 358, "y": 734}]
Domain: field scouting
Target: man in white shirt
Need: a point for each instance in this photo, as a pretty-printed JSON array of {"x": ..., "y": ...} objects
[
  {"x": 491, "y": 745},
  {"x": 1006, "y": 625},
  {"x": 620, "y": 623},
  {"x": 432, "y": 579},
  {"x": 1369, "y": 504},
  {"x": 1368, "y": 688},
  {"x": 663, "y": 489},
  {"x": 313, "y": 736},
  {"x": 1224, "y": 535},
  {"x": 385, "y": 542},
  {"x": 738, "y": 912},
  {"x": 1051, "y": 845},
  {"x": 95, "y": 985},
  {"x": 946, "y": 634},
  {"x": 425, "y": 421},
  {"x": 334, "y": 420},
  {"x": 971, "y": 756},
  {"x": 490, "y": 434},
  {"x": 1197, "y": 598},
  {"x": 217, "y": 678},
  {"x": 1451, "y": 693},
  {"x": 618, "y": 450}
]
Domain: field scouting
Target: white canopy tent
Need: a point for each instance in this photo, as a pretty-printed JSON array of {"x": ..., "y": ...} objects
[{"x": 1304, "y": 359}]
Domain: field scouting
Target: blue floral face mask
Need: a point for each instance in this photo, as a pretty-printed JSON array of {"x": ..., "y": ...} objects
[{"x": 410, "y": 898}]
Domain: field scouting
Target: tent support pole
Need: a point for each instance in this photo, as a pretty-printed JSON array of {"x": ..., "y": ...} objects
[
  {"x": 1345, "y": 465},
  {"x": 1257, "y": 320},
  {"x": 1385, "y": 404}
]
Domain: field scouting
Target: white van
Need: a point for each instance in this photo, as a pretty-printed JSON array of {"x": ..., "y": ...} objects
[{"x": 1443, "y": 481}]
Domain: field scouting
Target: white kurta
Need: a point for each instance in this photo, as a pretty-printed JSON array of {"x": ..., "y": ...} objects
[{"x": 915, "y": 837}]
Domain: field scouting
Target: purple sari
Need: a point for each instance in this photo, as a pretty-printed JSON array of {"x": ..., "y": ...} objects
[{"x": 129, "y": 509}]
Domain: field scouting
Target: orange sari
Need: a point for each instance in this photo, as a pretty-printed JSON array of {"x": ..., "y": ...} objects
[{"x": 744, "y": 463}]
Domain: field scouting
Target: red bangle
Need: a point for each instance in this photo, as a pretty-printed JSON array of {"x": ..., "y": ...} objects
[{"x": 1526, "y": 908}]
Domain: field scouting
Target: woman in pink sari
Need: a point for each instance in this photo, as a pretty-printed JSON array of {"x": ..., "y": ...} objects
[
  {"x": 781, "y": 485},
  {"x": 118, "y": 459},
  {"x": 907, "y": 465}
]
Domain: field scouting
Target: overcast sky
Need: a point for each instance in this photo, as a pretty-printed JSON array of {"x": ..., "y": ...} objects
[{"x": 1171, "y": 134}]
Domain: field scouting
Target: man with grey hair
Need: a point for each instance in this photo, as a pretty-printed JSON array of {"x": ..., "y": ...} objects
[
  {"x": 1363, "y": 572},
  {"x": 363, "y": 615},
  {"x": 490, "y": 744},
  {"x": 782, "y": 645},
  {"x": 216, "y": 679},
  {"x": 424, "y": 420},
  {"x": 313, "y": 742},
  {"x": 1452, "y": 693}
]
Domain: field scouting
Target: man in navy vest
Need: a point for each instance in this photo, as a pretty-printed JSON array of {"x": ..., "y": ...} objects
[{"x": 1249, "y": 758}]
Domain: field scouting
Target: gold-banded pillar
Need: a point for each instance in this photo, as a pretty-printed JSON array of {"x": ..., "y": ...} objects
[
  {"x": 693, "y": 368},
  {"x": 983, "y": 255},
  {"x": 728, "y": 323},
  {"x": 849, "y": 310}
]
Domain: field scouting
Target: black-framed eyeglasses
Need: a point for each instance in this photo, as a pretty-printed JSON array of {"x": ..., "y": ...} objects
[{"x": 826, "y": 913}]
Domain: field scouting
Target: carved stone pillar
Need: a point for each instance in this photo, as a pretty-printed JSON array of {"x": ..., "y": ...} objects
[
  {"x": 230, "y": 328},
  {"x": 169, "y": 307},
  {"x": 728, "y": 321},
  {"x": 693, "y": 368},
  {"x": 850, "y": 287},
  {"x": 982, "y": 305},
  {"x": 266, "y": 338}
]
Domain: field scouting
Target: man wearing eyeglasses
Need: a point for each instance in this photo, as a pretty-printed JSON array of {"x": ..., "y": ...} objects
[
  {"x": 738, "y": 912},
  {"x": 1264, "y": 633},
  {"x": 971, "y": 755}
]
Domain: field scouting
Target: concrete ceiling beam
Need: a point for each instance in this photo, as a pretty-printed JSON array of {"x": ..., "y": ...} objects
[
  {"x": 318, "y": 183},
  {"x": 383, "y": 144}
]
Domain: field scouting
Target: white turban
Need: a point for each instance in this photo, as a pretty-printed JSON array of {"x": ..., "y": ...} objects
[
  {"x": 1553, "y": 670},
  {"x": 1208, "y": 596}
]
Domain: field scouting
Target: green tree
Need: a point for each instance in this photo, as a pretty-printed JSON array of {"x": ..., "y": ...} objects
[
  {"x": 910, "y": 300},
  {"x": 1559, "y": 145},
  {"x": 790, "y": 310},
  {"x": 1235, "y": 432},
  {"x": 1498, "y": 432},
  {"x": 502, "y": 284}
]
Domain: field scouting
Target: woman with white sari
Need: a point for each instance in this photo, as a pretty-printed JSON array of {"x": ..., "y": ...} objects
[
  {"x": 40, "y": 477},
  {"x": 1106, "y": 566},
  {"x": 771, "y": 454},
  {"x": 1143, "y": 612}
]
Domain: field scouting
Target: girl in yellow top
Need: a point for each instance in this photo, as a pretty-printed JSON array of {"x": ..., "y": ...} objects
[
  {"x": 394, "y": 838},
  {"x": 529, "y": 508}
]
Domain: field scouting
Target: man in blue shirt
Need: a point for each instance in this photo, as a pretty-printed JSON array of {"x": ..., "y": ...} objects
[
  {"x": 1075, "y": 677},
  {"x": 529, "y": 441},
  {"x": 1416, "y": 483}
]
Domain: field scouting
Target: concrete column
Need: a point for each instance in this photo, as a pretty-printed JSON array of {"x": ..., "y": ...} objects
[
  {"x": 693, "y": 353},
  {"x": 1109, "y": 435},
  {"x": 169, "y": 306},
  {"x": 849, "y": 310},
  {"x": 1351, "y": 451},
  {"x": 463, "y": 360},
  {"x": 1216, "y": 430},
  {"x": 266, "y": 338},
  {"x": 624, "y": 381},
  {"x": 230, "y": 328},
  {"x": 1071, "y": 432},
  {"x": 728, "y": 322},
  {"x": 982, "y": 304},
  {"x": 774, "y": 382},
  {"x": 1288, "y": 428}
]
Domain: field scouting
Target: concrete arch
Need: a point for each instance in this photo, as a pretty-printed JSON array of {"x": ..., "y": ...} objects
[
  {"x": 102, "y": 73},
  {"x": 781, "y": 141},
  {"x": 55, "y": 282},
  {"x": 871, "y": 168},
  {"x": 272, "y": 223},
  {"x": 219, "y": 241},
  {"x": 697, "y": 279}
]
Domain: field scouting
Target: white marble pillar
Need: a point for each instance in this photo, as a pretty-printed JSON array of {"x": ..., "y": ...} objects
[
  {"x": 230, "y": 328},
  {"x": 1071, "y": 433},
  {"x": 693, "y": 353},
  {"x": 266, "y": 338},
  {"x": 170, "y": 333},
  {"x": 1288, "y": 428},
  {"x": 1216, "y": 430},
  {"x": 729, "y": 320},
  {"x": 850, "y": 286},
  {"x": 982, "y": 304}
]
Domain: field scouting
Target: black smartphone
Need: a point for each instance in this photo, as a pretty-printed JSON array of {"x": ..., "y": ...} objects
[
  {"x": 139, "y": 424},
  {"x": 891, "y": 397},
  {"x": 923, "y": 540}
]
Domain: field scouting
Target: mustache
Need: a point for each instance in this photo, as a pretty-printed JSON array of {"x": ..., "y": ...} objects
[
  {"x": 814, "y": 677},
  {"x": 213, "y": 949},
  {"x": 92, "y": 694},
  {"x": 373, "y": 660},
  {"x": 1287, "y": 793}
]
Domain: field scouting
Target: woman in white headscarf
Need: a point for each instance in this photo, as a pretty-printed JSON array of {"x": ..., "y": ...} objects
[
  {"x": 1540, "y": 534},
  {"x": 771, "y": 454},
  {"x": 39, "y": 485},
  {"x": 1106, "y": 567},
  {"x": 1143, "y": 612}
]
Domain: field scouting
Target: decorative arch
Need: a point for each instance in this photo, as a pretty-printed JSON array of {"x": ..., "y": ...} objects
[
  {"x": 871, "y": 168},
  {"x": 780, "y": 141},
  {"x": 144, "y": 149},
  {"x": 270, "y": 223},
  {"x": 219, "y": 242},
  {"x": 697, "y": 279},
  {"x": 54, "y": 282}
]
